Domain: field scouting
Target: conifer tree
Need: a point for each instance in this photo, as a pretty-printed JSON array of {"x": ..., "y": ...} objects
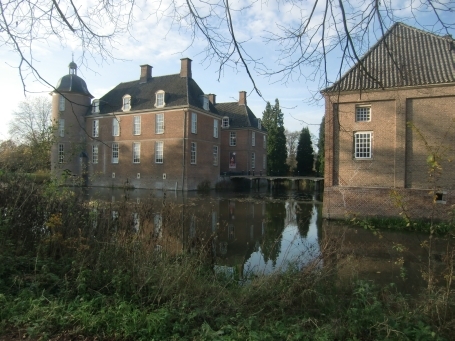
[
  {"x": 272, "y": 120},
  {"x": 305, "y": 153},
  {"x": 321, "y": 145}
]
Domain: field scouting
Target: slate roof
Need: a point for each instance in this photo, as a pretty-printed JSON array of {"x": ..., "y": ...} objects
[
  {"x": 72, "y": 83},
  {"x": 179, "y": 91},
  {"x": 404, "y": 56},
  {"x": 240, "y": 116}
]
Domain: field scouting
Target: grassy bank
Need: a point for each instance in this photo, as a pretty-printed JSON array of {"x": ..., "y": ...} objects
[{"x": 71, "y": 269}]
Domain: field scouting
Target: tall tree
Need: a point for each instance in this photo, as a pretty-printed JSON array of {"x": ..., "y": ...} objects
[
  {"x": 305, "y": 153},
  {"x": 31, "y": 127},
  {"x": 272, "y": 119},
  {"x": 321, "y": 145},
  {"x": 292, "y": 139}
]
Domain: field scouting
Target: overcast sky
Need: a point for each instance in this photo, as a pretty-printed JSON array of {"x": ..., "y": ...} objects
[{"x": 154, "y": 40}]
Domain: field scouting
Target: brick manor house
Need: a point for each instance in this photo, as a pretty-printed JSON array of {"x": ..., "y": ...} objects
[
  {"x": 389, "y": 119},
  {"x": 158, "y": 132}
]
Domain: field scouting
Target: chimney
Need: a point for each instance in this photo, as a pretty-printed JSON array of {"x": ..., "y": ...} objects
[
  {"x": 242, "y": 97},
  {"x": 146, "y": 73},
  {"x": 212, "y": 98},
  {"x": 185, "y": 69}
]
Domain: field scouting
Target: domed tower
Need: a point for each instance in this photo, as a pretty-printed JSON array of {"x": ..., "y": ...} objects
[{"x": 71, "y": 102}]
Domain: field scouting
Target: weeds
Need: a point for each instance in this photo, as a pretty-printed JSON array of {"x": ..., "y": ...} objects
[{"x": 68, "y": 266}]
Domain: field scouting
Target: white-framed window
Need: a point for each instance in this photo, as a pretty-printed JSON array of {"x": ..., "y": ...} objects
[
  {"x": 138, "y": 175},
  {"x": 61, "y": 127},
  {"x": 225, "y": 122},
  {"x": 259, "y": 124},
  {"x": 264, "y": 143},
  {"x": 115, "y": 153},
  {"x": 215, "y": 155},
  {"x": 113, "y": 175},
  {"x": 61, "y": 103},
  {"x": 253, "y": 160},
  {"x": 215, "y": 128},
  {"x": 61, "y": 153},
  {"x": 193, "y": 159},
  {"x": 136, "y": 152},
  {"x": 95, "y": 154},
  {"x": 232, "y": 138},
  {"x": 115, "y": 127},
  {"x": 194, "y": 123},
  {"x": 205, "y": 102},
  {"x": 159, "y": 101},
  {"x": 137, "y": 125},
  {"x": 253, "y": 138},
  {"x": 159, "y": 152},
  {"x": 264, "y": 162},
  {"x": 126, "y": 103},
  {"x": 363, "y": 113},
  {"x": 159, "y": 123},
  {"x": 96, "y": 128},
  {"x": 363, "y": 145},
  {"x": 95, "y": 106}
]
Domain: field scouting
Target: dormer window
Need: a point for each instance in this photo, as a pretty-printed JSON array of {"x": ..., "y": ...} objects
[
  {"x": 259, "y": 124},
  {"x": 95, "y": 106},
  {"x": 205, "y": 102},
  {"x": 225, "y": 122},
  {"x": 126, "y": 103},
  {"x": 159, "y": 101}
]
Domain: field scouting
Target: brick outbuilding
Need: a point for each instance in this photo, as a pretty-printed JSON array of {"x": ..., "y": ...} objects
[{"x": 390, "y": 130}]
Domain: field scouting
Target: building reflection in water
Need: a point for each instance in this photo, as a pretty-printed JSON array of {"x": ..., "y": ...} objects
[{"x": 247, "y": 234}]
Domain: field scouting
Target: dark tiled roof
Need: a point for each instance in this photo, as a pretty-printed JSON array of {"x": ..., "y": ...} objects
[
  {"x": 74, "y": 84},
  {"x": 240, "y": 116},
  {"x": 404, "y": 56},
  {"x": 178, "y": 90}
]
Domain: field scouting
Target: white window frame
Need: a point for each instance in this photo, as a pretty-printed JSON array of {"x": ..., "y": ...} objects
[
  {"x": 253, "y": 160},
  {"x": 225, "y": 122},
  {"x": 136, "y": 152},
  {"x": 193, "y": 158},
  {"x": 115, "y": 152},
  {"x": 136, "y": 125},
  {"x": 95, "y": 106},
  {"x": 160, "y": 99},
  {"x": 61, "y": 127},
  {"x": 94, "y": 154},
  {"x": 215, "y": 128},
  {"x": 253, "y": 139},
  {"x": 159, "y": 123},
  {"x": 61, "y": 153},
  {"x": 363, "y": 113},
  {"x": 205, "y": 103},
  {"x": 215, "y": 155},
  {"x": 61, "y": 103},
  {"x": 232, "y": 138},
  {"x": 96, "y": 128},
  {"x": 126, "y": 103},
  {"x": 159, "y": 152},
  {"x": 363, "y": 145},
  {"x": 115, "y": 126},
  {"x": 193, "y": 123}
]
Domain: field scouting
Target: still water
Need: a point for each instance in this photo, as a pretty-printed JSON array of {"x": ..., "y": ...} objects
[{"x": 259, "y": 232}]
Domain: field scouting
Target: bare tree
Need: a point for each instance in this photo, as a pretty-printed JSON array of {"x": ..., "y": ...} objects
[
  {"x": 31, "y": 129},
  {"x": 292, "y": 140},
  {"x": 314, "y": 40}
]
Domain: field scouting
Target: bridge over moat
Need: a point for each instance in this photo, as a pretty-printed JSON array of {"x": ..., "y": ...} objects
[{"x": 272, "y": 179}]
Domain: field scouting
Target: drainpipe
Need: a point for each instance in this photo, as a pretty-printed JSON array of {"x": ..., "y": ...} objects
[{"x": 185, "y": 115}]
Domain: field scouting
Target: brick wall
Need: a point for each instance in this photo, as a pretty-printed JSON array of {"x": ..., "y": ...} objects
[{"x": 399, "y": 152}]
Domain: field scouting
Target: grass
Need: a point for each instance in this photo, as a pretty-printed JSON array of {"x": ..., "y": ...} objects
[{"x": 71, "y": 268}]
